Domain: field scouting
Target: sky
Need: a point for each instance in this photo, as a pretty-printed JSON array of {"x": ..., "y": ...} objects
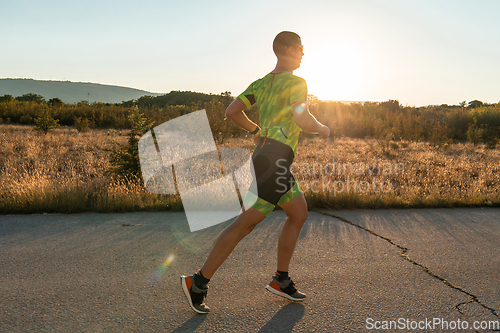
[{"x": 421, "y": 52}]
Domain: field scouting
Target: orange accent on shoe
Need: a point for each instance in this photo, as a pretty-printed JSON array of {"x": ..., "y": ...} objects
[
  {"x": 265, "y": 137},
  {"x": 274, "y": 285},
  {"x": 189, "y": 282}
]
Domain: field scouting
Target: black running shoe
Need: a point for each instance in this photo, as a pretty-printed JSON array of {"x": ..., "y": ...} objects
[
  {"x": 194, "y": 295},
  {"x": 285, "y": 288}
]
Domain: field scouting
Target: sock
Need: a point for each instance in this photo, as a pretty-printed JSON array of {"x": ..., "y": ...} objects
[
  {"x": 200, "y": 281},
  {"x": 281, "y": 275}
]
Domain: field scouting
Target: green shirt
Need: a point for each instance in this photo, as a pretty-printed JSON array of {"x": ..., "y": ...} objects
[{"x": 275, "y": 94}]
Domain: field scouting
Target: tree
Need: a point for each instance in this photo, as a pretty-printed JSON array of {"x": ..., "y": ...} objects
[
  {"x": 30, "y": 97},
  {"x": 45, "y": 122},
  {"x": 26, "y": 120},
  {"x": 475, "y": 104},
  {"x": 6, "y": 98},
  {"x": 82, "y": 125},
  {"x": 391, "y": 105},
  {"x": 226, "y": 97},
  {"x": 221, "y": 127},
  {"x": 128, "y": 103},
  {"x": 475, "y": 133},
  {"x": 312, "y": 102},
  {"x": 125, "y": 160},
  {"x": 55, "y": 102}
]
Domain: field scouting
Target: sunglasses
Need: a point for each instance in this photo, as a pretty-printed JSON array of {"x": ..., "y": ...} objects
[{"x": 301, "y": 47}]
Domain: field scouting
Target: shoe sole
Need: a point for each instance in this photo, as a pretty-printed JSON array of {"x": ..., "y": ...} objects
[
  {"x": 188, "y": 296},
  {"x": 282, "y": 294}
]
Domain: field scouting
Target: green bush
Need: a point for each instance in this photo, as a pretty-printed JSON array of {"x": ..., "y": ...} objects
[
  {"x": 82, "y": 125},
  {"x": 26, "y": 120},
  {"x": 125, "y": 159},
  {"x": 45, "y": 123}
]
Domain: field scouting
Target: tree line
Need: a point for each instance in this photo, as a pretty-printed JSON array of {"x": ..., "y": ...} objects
[
  {"x": 28, "y": 108},
  {"x": 476, "y": 122}
]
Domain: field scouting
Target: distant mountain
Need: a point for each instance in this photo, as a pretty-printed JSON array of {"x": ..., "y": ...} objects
[{"x": 70, "y": 92}]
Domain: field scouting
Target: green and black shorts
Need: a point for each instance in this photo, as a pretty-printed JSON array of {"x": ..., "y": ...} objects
[{"x": 276, "y": 185}]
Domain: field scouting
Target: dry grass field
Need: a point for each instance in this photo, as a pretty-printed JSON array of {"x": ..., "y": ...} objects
[
  {"x": 412, "y": 174},
  {"x": 65, "y": 172}
]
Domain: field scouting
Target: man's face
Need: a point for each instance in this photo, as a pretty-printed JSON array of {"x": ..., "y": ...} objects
[{"x": 297, "y": 52}]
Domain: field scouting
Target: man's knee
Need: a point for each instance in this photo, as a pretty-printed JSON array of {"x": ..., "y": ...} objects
[
  {"x": 300, "y": 216},
  {"x": 250, "y": 221},
  {"x": 250, "y": 226},
  {"x": 304, "y": 215}
]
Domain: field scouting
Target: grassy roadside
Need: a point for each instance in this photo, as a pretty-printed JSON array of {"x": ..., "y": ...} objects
[
  {"x": 409, "y": 175},
  {"x": 65, "y": 172}
]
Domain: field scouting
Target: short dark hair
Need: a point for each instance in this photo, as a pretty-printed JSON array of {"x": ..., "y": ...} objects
[{"x": 283, "y": 40}]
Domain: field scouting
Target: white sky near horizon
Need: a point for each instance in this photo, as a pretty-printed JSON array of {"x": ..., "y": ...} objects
[{"x": 419, "y": 52}]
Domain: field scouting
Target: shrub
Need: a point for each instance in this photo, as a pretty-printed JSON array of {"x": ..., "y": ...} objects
[
  {"x": 393, "y": 145},
  {"x": 82, "y": 125},
  {"x": 125, "y": 160},
  {"x": 475, "y": 134},
  {"x": 45, "y": 123},
  {"x": 26, "y": 120}
]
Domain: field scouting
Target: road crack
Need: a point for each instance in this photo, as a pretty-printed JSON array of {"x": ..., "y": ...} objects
[{"x": 403, "y": 253}]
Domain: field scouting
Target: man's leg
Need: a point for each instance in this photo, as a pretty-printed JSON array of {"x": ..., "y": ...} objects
[
  {"x": 229, "y": 238},
  {"x": 281, "y": 284},
  {"x": 296, "y": 210},
  {"x": 195, "y": 287}
]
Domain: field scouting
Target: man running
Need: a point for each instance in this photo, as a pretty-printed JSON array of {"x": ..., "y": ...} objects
[{"x": 281, "y": 100}]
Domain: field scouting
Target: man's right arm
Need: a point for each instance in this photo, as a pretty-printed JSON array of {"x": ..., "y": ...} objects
[
  {"x": 235, "y": 111},
  {"x": 307, "y": 122}
]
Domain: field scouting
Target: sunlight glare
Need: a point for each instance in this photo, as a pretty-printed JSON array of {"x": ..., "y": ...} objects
[{"x": 334, "y": 72}]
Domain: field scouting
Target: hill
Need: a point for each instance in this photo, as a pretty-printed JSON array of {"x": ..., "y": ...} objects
[{"x": 70, "y": 92}]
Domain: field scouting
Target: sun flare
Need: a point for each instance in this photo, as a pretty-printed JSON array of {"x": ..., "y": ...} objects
[{"x": 334, "y": 72}]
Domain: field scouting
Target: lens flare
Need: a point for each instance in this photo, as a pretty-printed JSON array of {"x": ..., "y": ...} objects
[
  {"x": 300, "y": 108},
  {"x": 155, "y": 277}
]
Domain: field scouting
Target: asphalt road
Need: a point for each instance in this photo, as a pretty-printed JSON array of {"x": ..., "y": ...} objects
[{"x": 359, "y": 269}]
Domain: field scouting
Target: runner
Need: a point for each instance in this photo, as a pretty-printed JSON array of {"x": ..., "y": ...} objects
[{"x": 281, "y": 100}]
